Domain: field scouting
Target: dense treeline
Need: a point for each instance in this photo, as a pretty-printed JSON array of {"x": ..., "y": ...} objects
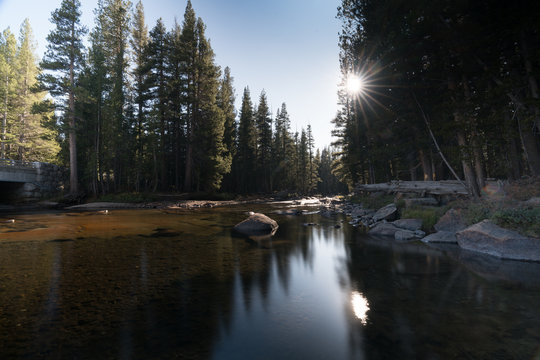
[
  {"x": 448, "y": 86},
  {"x": 150, "y": 110}
]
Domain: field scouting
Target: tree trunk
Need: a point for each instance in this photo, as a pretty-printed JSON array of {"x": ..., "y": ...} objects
[
  {"x": 529, "y": 139},
  {"x": 470, "y": 177},
  {"x": 73, "y": 181},
  {"x": 4, "y": 121},
  {"x": 478, "y": 163},
  {"x": 426, "y": 165}
]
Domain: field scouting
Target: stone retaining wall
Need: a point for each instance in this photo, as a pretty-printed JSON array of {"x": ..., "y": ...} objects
[{"x": 49, "y": 182}]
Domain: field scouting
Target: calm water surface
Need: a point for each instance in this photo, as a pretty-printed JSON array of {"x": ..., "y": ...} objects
[{"x": 148, "y": 284}]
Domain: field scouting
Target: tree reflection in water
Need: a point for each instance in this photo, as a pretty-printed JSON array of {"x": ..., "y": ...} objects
[{"x": 170, "y": 285}]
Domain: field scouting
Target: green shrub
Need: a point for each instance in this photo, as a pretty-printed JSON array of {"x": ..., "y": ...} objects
[
  {"x": 525, "y": 220},
  {"x": 429, "y": 215},
  {"x": 475, "y": 212}
]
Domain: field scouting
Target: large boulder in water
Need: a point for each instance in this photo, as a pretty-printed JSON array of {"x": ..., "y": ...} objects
[
  {"x": 488, "y": 238},
  {"x": 257, "y": 224}
]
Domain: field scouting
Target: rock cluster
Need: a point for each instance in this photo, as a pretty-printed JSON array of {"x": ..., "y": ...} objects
[
  {"x": 384, "y": 222},
  {"x": 447, "y": 227}
]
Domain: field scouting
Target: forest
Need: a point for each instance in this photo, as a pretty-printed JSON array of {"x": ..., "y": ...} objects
[
  {"x": 449, "y": 90},
  {"x": 140, "y": 110}
]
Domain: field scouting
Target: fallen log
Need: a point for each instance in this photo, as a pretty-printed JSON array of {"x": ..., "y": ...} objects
[{"x": 444, "y": 187}]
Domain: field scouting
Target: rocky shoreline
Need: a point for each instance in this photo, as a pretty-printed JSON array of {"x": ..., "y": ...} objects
[{"x": 484, "y": 237}]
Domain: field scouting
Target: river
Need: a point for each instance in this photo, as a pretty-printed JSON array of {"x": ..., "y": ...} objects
[{"x": 152, "y": 284}]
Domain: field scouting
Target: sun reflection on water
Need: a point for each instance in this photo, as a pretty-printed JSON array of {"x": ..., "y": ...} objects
[{"x": 360, "y": 306}]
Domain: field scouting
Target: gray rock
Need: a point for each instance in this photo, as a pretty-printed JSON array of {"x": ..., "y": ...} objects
[
  {"x": 404, "y": 235},
  {"x": 488, "y": 238},
  {"x": 408, "y": 224},
  {"x": 451, "y": 221},
  {"x": 359, "y": 212},
  {"x": 441, "y": 237},
  {"x": 388, "y": 212},
  {"x": 533, "y": 201},
  {"x": 384, "y": 229},
  {"x": 419, "y": 234},
  {"x": 257, "y": 224}
]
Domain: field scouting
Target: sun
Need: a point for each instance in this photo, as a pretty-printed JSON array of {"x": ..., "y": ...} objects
[{"x": 355, "y": 84}]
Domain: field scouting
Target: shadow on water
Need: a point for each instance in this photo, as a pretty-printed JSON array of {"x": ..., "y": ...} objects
[{"x": 156, "y": 285}]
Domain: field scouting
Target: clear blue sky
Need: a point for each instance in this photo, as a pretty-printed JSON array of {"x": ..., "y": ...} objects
[{"x": 289, "y": 48}]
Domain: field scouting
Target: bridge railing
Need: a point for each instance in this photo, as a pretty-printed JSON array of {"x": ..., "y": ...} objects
[{"x": 17, "y": 163}]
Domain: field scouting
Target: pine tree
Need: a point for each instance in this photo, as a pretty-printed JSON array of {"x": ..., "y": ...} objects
[
  {"x": 283, "y": 151},
  {"x": 157, "y": 57},
  {"x": 8, "y": 50},
  {"x": 115, "y": 21},
  {"x": 225, "y": 101},
  {"x": 211, "y": 155},
  {"x": 263, "y": 123},
  {"x": 303, "y": 163},
  {"x": 94, "y": 88},
  {"x": 247, "y": 145},
  {"x": 139, "y": 43},
  {"x": 32, "y": 140},
  {"x": 176, "y": 102},
  {"x": 312, "y": 171},
  {"x": 188, "y": 40},
  {"x": 62, "y": 62}
]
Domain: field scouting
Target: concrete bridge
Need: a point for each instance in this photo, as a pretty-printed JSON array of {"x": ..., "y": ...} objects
[{"x": 24, "y": 180}]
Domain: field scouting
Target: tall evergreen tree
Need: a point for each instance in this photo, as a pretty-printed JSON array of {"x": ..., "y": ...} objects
[
  {"x": 247, "y": 145},
  {"x": 312, "y": 173},
  {"x": 225, "y": 101},
  {"x": 8, "y": 53},
  {"x": 189, "y": 58},
  {"x": 115, "y": 25},
  {"x": 62, "y": 61},
  {"x": 32, "y": 140},
  {"x": 283, "y": 151},
  {"x": 157, "y": 57},
  {"x": 212, "y": 158},
  {"x": 176, "y": 103},
  {"x": 263, "y": 123},
  {"x": 139, "y": 43},
  {"x": 95, "y": 87}
]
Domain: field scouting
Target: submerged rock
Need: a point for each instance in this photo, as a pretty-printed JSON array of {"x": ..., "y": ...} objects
[
  {"x": 384, "y": 229},
  {"x": 404, "y": 235},
  {"x": 488, "y": 238},
  {"x": 408, "y": 224},
  {"x": 441, "y": 237},
  {"x": 257, "y": 224}
]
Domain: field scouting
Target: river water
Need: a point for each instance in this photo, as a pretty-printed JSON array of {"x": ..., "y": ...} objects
[{"x": 150, "y": 284}]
